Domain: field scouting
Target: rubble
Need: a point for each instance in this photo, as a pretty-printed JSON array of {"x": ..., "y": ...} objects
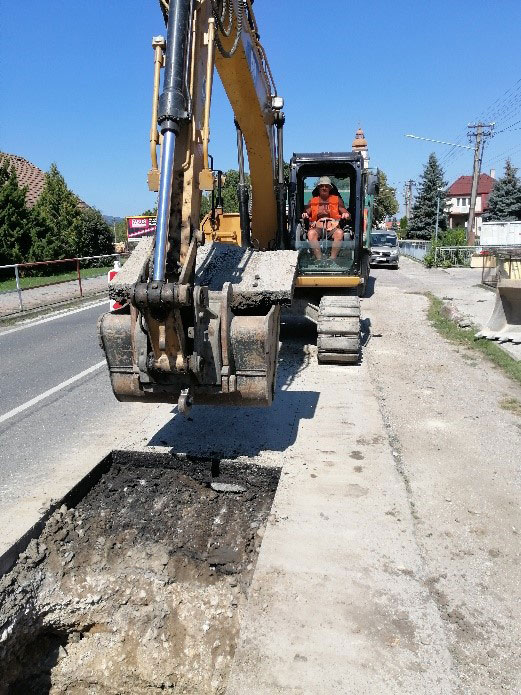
[{"x": 140, "y": 586}]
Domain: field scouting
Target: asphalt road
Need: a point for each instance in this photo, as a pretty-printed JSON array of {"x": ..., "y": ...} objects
[
  {"x": 47, "y": 446},
  {"x": 38, "y": 357}
]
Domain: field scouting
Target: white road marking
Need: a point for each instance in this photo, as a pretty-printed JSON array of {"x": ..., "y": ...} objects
[
  {"x": 56, "y": 315},
  {"x": 50, "y": 392}
]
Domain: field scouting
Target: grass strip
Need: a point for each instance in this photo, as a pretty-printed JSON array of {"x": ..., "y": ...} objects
[
  {"x": 41, "y": 281},
  {"x": 512, "y": 405},
  {"x": 465, "y": 336}
]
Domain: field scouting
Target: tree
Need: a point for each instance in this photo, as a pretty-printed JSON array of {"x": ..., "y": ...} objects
[
  {"x": 15, "y": 218},
  {"x": 229, "y": 191},
  {"x": 423, "y": 218},
  {"x": 58, "y": 211},
  {"x": 94, "y": 236},
  {"x": 402, "y": 229},
  {"x": 504, "y": 202},
  {"x": 385, "y": 203},
  {"x": 206, "y": 205},
  {"x": 121, "y": 231}
]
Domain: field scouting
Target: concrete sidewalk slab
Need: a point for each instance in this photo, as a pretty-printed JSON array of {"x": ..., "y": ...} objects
[
  {"x": 338, "y": 602},
  {"x": 48, "y": 295}
]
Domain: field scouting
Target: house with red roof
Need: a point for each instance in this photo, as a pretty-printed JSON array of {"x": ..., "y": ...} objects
[
  {"x": 458, "y": 200},
  {"x": 30, "y": 176}
]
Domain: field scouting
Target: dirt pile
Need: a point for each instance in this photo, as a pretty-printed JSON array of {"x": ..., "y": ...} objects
[{"x": 139, "y": 587}]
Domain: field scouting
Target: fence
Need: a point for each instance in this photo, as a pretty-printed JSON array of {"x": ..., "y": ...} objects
[
  {"x": 460, "y": 256},
  {"x": 19, "y": 268},
  {"x": 415, "y": 249}
]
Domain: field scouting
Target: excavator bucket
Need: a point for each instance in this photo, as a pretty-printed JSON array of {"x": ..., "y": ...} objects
[
  {"x": 232, "y": 342},
  {"x": 505, "y": 322}
]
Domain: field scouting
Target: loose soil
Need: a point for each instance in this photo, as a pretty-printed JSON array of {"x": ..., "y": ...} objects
[{"x": 139, "y": 587}]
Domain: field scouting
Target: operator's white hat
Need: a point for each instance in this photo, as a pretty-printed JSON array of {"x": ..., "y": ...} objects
[{"x": 324, "y": 181}]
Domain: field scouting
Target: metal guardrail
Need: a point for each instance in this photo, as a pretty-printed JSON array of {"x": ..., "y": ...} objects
[
  {"x": 415, "y": 249},
  {"x": 77, "y": 266},
  {"x": 459, "y": 256}
]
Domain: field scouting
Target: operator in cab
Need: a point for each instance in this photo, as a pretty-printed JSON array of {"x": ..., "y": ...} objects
[{"x": 324, "y": 211}]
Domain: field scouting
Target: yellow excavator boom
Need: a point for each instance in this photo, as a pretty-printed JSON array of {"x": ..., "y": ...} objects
[{"x": 201, "y": 322}]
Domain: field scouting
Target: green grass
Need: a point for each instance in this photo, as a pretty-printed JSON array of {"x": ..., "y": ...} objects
[
  {"x": 34, "y": 281},
  {"x": 465, "y": 338},
  {"x": 512, "y": 405}
]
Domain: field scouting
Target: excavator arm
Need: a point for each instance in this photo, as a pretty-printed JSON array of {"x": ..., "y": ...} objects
[{"x": 201, "y": 322}]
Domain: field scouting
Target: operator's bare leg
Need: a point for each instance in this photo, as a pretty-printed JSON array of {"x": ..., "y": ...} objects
[
  {"x": 313, "y": 237},
  {"x": 338, "y": 238}
]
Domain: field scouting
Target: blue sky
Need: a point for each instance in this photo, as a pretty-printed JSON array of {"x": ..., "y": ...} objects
[{"x": 76, "y": 83}]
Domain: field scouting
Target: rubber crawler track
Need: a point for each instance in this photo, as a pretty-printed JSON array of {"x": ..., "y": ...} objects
[{"x": 338, "y": 327}]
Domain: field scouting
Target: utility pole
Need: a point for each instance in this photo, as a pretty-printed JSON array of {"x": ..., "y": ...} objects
[
  {"x": 438, "y": 193},
  {"x": 408, "y": 198},
  {"x": 477, "y": 130}
]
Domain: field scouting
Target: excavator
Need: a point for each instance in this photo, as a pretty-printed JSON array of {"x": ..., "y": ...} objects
[{"x": 202, "y": 300}]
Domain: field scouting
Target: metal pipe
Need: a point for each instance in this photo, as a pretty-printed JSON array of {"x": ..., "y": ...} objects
[
  {"x": 219, "y": 196},
  {"x": 163, "y": 206},
  {"x": 242, "y": 192},
  {"x": 18, "y": 288},
  {"x": 188, "y": 61},
  {"x": 208, "y": 91},
  {"x": 192, "y": 59},
  {"x": 79, "y": 276},
  {"x": 158, "y": 44},
  {"x": 280, "y": 185}
]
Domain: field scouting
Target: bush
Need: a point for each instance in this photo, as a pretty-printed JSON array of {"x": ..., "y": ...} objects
[
  {"x": 454, "y": 237},
  {"x": 451, "y": 237}
]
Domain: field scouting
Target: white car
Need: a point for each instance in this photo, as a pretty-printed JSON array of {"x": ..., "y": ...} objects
[{"x": 384, "y": 249}]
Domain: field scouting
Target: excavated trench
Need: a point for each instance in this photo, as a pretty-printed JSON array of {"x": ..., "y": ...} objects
[{"x": 138, "y": 585}]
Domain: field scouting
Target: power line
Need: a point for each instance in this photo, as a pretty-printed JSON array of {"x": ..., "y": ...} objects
[
  {"x": 508, "y": 127},
  {"x": 502, "y": 107},
  {"x": 497, "y": 157}
]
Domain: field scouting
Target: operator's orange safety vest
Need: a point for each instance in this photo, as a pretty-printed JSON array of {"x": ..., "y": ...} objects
[{"x": 334, "y": 212}]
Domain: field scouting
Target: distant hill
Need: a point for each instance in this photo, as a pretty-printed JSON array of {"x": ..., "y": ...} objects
[{"x": 109, "y": 219}]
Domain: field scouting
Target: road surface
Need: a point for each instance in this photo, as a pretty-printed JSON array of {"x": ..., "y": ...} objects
[
  {"x": 58, "y": 415},
  {"x": 391, "y": 560}
]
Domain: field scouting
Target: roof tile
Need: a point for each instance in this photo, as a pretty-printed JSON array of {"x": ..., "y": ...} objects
[
  {"x": 31, "y": 176},
  {"x": 463, "y": 185}
]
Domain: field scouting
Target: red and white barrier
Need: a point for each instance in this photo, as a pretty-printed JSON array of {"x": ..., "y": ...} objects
[{"x": 112, "y": 274}]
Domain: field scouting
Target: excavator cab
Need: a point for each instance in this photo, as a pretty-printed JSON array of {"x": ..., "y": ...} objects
[
  {"x": 330, "y": 280},
  {"x": 356, "y": 187}
]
